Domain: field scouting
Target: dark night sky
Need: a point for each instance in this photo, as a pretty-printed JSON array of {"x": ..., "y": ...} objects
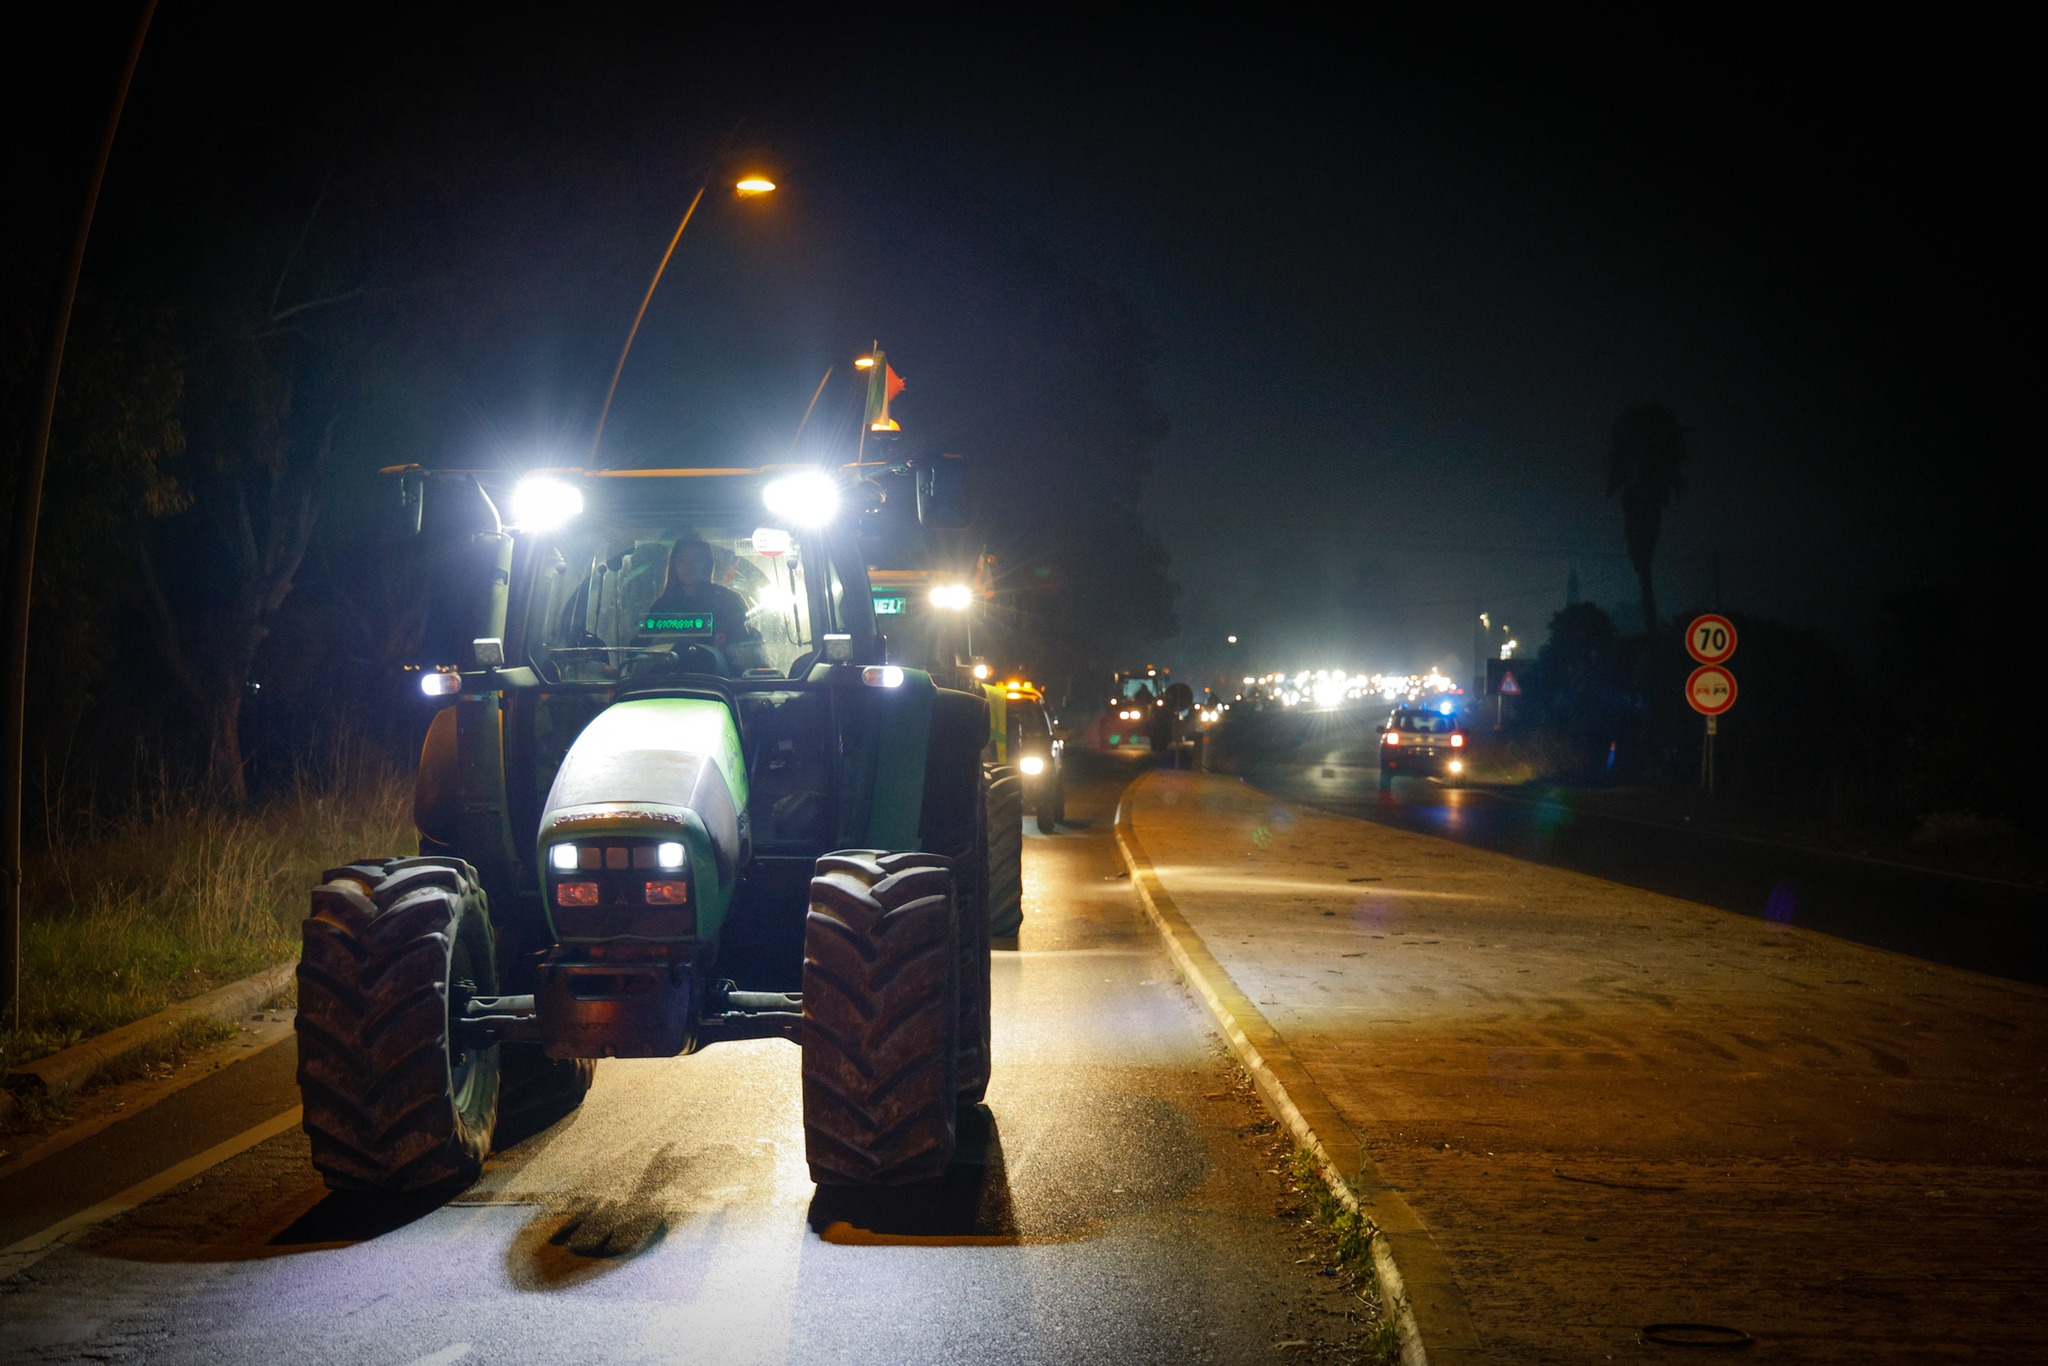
[{"x": 1396, "y": 285}]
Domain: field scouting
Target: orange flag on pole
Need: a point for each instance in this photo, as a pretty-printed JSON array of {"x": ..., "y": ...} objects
[{"x": 883, "y": 384}]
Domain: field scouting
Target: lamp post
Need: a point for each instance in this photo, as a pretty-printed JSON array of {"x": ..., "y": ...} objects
[
  {"x": 748, "y": 187},
  {"x": 19, "y": 594}
]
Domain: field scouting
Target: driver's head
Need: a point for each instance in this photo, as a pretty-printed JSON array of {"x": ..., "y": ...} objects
[{"x": 689, "y": 563}]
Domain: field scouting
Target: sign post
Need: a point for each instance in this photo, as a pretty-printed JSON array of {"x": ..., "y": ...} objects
[
  {"x": 1710, "y": 689},
  {"x": 1501, "y": 685}
]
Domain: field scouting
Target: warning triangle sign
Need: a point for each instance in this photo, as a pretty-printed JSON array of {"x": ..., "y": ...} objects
[{"x": 1508, "y": 686}]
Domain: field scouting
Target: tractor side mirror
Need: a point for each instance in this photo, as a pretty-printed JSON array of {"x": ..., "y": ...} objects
[{"x": 942, "y": 494}]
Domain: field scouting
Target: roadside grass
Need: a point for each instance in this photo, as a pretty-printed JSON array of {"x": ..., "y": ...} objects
[
  {"x": 127, "y": 913},
  {"x": 1350, "y": 1234}
]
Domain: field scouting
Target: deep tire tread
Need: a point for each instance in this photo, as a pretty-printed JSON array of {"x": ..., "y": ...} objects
[
  {"x": 881, "y": 985},
  {"x": 374, "y": 1049}
]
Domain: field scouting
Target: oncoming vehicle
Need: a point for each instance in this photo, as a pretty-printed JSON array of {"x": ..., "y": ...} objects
[
  {"x": 1421, "y": 743},
  {"x": 1137, "y": 709},
  {"x": 655, "y": 813},
  {"x": 1034, "y": 748}
]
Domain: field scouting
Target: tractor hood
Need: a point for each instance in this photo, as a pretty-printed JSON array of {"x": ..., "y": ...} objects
[{"x": 665, "y": 768}]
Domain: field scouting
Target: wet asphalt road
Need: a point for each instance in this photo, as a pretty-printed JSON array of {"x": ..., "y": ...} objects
[
  {"x": 1973, "y": 923},
  {"x": 1118, "y": 1204}
]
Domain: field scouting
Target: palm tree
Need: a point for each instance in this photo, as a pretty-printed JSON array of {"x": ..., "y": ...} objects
[{"x": 1645, "y": 465}]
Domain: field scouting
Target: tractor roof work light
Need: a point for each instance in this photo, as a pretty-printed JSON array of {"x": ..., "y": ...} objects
[
  {"x": 807, "y": 499},
  {"x": 542, "y": 503},
  {"x": 952, "y": 597}
]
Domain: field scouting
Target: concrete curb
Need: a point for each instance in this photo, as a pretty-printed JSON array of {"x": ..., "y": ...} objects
[
  {"x": 64, "y": 1072},
  {"x": 1435, "y": 1324}
]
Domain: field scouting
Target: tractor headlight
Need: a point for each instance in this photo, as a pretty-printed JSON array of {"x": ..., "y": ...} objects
[
  {"x": 562, "y": 858},
  {"x": 668, "y": 856},
  {"x": 951, "y": 597},
  {"x": 540, "y": 503},
  {"x": 807, "y": 499}
]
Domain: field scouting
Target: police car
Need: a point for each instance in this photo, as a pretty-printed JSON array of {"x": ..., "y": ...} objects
[{"x": 1420, "y": 743}]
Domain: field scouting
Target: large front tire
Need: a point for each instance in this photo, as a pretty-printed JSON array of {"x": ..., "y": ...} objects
[
  {"x": 881, "y": 1018},
  {"x": 393, "y": 950}
]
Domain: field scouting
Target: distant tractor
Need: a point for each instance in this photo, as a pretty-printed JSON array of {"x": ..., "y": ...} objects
[
  {"x": 1138, "y": 709},
  {"x": 675, "y": 794}
]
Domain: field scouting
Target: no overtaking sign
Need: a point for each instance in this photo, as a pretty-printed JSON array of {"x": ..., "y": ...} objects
[{"x": 1710, "y": 690}]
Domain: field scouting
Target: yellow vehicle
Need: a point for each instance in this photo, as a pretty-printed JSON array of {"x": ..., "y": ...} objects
[{"x": 1026, "y": 737}]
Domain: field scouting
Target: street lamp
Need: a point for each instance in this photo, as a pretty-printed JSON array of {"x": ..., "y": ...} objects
[{"x": 748, "y": 188}]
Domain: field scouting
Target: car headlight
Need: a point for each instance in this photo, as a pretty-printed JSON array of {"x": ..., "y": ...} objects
[{"x": 1031, "y": 765}]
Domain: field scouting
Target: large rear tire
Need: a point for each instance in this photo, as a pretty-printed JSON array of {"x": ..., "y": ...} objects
[
  {"x": 954, "y": 822},
  {"x": 535, "y": 1089},
  {"x": 393, "y": 950},
  {"x": 881, "y": 1018},
  {"x": 1005, "y": 898},
  {"x": 977, "y": 1005}
]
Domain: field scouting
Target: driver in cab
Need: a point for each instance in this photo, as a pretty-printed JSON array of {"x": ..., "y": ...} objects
[{"x": 691, "y": 592}]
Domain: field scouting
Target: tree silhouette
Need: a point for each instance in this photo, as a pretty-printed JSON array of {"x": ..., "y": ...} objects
[{"x": 1646, "y": 465}]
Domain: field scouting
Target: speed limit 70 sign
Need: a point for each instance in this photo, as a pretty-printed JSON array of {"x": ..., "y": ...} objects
[{"x": 1710, "y": 639}]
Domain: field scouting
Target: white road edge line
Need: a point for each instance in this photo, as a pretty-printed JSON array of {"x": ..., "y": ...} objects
[{"x": 32, "y": 1249}]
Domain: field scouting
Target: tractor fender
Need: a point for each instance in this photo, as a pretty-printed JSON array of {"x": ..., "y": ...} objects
[
  {"x": 436, "y": 795},
  {"x": 952, "y": 772}
]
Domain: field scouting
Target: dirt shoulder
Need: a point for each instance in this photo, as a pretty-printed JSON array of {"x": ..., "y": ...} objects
[{"x": 1616, "y": 1109}]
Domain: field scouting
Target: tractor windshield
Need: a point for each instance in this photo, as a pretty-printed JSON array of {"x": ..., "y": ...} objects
[{"x": 620, "y": 601}]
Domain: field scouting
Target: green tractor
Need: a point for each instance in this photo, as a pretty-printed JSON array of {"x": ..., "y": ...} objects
[{"x": 675, "y": 793}]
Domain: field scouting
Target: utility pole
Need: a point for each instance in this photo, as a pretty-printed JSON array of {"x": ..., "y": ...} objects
[
  {"x": 21, "y": 568},
  {"x": 1479, "y": 638}
]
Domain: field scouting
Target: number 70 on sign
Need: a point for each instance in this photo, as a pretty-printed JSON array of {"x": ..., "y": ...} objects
[{"x": 1710, "y": 639}]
